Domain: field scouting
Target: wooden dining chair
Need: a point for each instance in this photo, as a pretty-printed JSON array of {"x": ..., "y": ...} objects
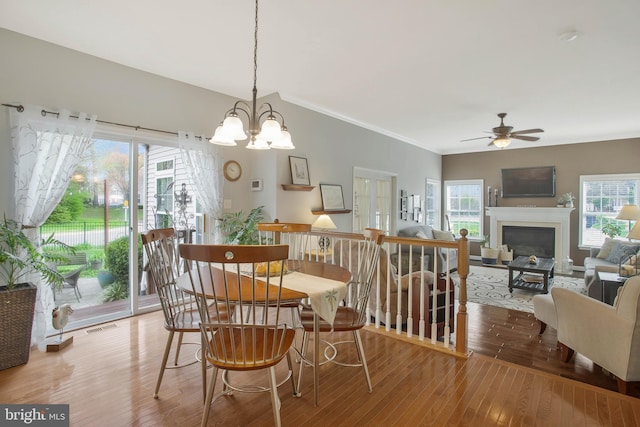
[
  {"x": 261, "y": 340},
  {"x": 297, "y": 236},
  {"x": 352, "y": 314},
  {"x": 179, "y": 309}
]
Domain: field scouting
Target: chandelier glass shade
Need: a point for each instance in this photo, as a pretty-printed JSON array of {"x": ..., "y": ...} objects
[{"x": 265, "y": 131}]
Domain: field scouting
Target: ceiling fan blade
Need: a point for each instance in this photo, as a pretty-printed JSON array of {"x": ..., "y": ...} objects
[
  {"x": 524, "y": 138},
  {"x": 520, "y": 132},
  {"x": 473, "y": 139}
]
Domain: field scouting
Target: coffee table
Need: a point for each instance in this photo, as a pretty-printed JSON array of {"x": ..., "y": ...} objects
[{"x": 541, "y": 279}]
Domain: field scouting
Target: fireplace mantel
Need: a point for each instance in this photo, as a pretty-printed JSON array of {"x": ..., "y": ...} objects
[{"x": 558, "y": 218}]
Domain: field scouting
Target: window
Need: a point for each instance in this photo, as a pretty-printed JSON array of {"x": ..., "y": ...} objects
[
  {"x": 164, "y": 165},
  {"x": 164, "y": 196},
  {"x": 432, "y": 204},
  {"x": 601, "y": 198},
  {"x": 464, "y": 206}
]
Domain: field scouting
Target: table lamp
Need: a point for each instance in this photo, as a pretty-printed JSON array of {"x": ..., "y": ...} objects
[
  {"x": 634, "y": 233},
  {"x": 324, "y": 223},
  {"x": 629, "y": 213}
]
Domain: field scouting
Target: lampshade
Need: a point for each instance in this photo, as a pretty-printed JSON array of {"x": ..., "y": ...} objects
[
  {"x": 233, "y": 127},
  {"x": 285, "y": 142},
  {"x": 221, "y": 138},
  {"x": 635, "y": 232},
  {"x": 324, "y": 222},
  {"x": 629, "y": 212},
  {"x": 501, "y": 142}
]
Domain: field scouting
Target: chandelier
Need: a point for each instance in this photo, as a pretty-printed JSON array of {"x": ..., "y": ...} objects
[{"x": 270, "y": 134}]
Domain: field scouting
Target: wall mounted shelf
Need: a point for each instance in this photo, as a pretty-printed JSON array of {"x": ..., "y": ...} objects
[
  {"x": 295, "y": 187},
  {"x": 320, "y": 211}
]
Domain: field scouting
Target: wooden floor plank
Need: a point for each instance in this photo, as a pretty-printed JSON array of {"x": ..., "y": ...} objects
[{"x": 413, "y": 385}]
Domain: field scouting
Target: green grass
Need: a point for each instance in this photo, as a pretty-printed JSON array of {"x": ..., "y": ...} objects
[{"x": 96, "y": 214}]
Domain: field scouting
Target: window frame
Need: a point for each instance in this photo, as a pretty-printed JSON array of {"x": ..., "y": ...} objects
[
  {"x": 582, "y": 212},
  {"x": 433, "y": 191},
  {"x": 480, "y": 198}
]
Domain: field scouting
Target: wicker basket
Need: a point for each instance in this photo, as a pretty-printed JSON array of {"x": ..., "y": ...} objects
[{"x": 16, "y": 311}]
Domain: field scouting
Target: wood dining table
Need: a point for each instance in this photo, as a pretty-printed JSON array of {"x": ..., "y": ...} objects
[{"x": 324, "y": 284}]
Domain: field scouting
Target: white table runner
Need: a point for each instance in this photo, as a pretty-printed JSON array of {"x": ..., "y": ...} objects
[{"x": 324, "y": 294}]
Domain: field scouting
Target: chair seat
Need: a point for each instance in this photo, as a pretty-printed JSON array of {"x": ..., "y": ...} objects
[
  {"x": 346, "y": 320},
  {"x": 269, "y": 347},
  {"x": 189, "y": 320}
]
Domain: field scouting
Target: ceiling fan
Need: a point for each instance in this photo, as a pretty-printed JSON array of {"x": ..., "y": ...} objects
[{"x": 503, "y": 134}]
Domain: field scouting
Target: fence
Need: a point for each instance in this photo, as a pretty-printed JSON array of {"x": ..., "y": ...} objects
[{"x": 89, "y": 233}]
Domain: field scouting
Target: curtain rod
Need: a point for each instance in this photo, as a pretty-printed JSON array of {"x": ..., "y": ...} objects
[{"x": 44, "y": 113}]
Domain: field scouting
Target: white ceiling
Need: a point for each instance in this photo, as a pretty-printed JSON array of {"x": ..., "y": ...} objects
[{"x": 424, "y": 71}]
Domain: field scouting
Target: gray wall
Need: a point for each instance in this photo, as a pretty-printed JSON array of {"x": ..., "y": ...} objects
[
  {"x": 37, "y": 72},
  {"x": 571, "y": 161}
]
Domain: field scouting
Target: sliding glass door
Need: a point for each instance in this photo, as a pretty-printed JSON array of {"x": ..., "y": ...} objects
[{"x": 124, "y": 187}]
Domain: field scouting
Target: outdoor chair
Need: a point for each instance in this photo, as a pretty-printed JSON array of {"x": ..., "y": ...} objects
[{"x": 71, "y": 280}]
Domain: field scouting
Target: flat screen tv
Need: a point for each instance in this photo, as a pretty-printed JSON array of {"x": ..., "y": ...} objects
[{"x": 537, "y": 181}]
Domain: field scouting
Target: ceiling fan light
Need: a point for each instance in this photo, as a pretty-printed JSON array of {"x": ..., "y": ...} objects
[
  {"x": 233, "y": 127},
  {"x": 501, "y": 142}
]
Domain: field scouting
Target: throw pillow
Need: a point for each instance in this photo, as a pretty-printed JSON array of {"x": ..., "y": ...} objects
[
  {"x": 607, "y": 247},
  {"x": 621, "y": 251},
  {"x": 421, "y": 235},
  {"x": 443, "y": 235}
]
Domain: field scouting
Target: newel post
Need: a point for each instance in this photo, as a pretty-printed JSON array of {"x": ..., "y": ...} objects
[{"x": 463, "y": 271}]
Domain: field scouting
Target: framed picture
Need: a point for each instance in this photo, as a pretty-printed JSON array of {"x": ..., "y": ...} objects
[
  {"x": 299, "y": 171},
  {"x": 332, "y": 199}
]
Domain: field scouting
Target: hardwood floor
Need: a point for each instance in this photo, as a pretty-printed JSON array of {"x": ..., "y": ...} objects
[{"x": 108, "y": 378}]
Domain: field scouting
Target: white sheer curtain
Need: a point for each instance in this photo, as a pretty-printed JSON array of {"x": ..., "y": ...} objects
[
  {"x": 203, "y": 162},
  {"x": 47, "y": 147}
]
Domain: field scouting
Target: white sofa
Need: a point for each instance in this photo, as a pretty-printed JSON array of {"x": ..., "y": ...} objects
[
  {"x": 608, "y": 335},
  {"x": 426, "y": 232}
]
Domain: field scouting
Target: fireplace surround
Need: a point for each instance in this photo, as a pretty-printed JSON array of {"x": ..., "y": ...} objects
[{"x": 556, "y": 218}]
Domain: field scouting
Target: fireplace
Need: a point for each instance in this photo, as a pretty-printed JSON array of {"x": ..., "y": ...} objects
[
  {"x": 525, "y": 241},
  {"x": 557, "y": 219}
]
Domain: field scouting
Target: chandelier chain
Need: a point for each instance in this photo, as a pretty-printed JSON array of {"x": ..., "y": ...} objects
[{"x": 255, "y": 50}]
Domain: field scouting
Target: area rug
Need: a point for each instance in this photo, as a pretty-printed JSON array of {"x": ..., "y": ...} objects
[{"x": 487, "y": 285}]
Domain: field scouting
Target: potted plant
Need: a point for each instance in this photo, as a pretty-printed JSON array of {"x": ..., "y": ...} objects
[
  {"x": 566, "y": 200},
  {"x": 19, "y": 258},
  {"x": 96, "y": 260},
  {"x": 488, "y": 255},
  {"x": 240, "y": 228}
]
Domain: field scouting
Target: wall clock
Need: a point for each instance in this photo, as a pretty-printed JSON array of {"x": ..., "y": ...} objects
[{"x": 232, "y": 170}]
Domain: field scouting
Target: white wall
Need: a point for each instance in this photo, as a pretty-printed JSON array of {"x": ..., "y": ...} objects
[{"x": 37, "y": 72}]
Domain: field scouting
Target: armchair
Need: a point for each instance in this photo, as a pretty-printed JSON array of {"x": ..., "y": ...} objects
[{"x": 608, "y": 335}]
